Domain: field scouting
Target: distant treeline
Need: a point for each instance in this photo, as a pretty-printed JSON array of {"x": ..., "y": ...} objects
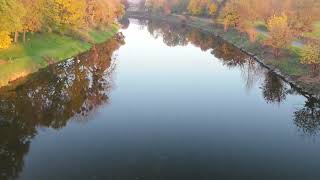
[
  {"x": 62, "y": 16},
  {"x": 194, "y": 7}
]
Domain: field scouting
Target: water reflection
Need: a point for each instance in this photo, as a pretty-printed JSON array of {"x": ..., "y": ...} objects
[
  {"x": 50, "y": 98},
  {"x": 307, "y": 118},
  {"x": 274, "y": 90}
]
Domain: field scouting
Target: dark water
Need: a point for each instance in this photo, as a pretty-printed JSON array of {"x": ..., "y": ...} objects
[{"x": 169, "y": 103}]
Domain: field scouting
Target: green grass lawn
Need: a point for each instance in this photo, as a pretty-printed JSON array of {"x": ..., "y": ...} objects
[
  {"x": 99, "y": 36},
  {"x": 24, "y": 58}
]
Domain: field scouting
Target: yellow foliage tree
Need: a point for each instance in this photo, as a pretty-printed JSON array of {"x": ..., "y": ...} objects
[
  {"x": 64, "y": 14},
  {"x": 212, "y": 7},
  {"x": 11, "y": 13},
  {"x": 5, "y": 40},
  {"x": 311, "y": 55},
  {"x": 279, "y": 33},
  {"x": 197, "y": 7},
  {"x": 32, "y": 20},
  {"x": 21, "y": 16},
  {"x": 231, "y": 18}
]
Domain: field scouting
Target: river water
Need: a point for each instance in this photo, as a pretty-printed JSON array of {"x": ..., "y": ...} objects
[{"x": 170, "y": 102}]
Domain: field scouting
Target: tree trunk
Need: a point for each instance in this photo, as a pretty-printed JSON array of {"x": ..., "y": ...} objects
[
  {"x": 276, "y": 52},
  {"x": 314, "y": 69},
  {"x": 16, "y": 36},
  {"x": 24, "y": 36},
  {"x": 225, "y": 27}
]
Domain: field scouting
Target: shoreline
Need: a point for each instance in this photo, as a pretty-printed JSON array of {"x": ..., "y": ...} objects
[
  {"x": 308, "y": 90},
  {"x": 61, "y": 49}
]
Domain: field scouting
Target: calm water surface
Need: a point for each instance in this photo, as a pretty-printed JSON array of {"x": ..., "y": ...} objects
[{"x": 168, "y": 103}]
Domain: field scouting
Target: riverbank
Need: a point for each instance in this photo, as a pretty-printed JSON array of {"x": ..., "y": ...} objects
[
  {"x": 43, "y": 49},
  {"x": 288, "y": 66}
]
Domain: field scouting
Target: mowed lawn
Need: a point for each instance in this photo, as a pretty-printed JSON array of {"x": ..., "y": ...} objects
[{"x": 24, "y": 58}]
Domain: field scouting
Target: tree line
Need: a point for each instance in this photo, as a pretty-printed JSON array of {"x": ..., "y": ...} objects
[
  {"x": 17, "y": 17},
  {"x": 194, "y": 7},
  {"x": 285, "y": 21}
]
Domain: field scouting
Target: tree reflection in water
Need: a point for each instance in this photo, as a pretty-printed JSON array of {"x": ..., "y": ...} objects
[
  {"x": 50, "y": 98},
  {"x": 274, "y": 89},
  {"x": 307, "y": 118}
]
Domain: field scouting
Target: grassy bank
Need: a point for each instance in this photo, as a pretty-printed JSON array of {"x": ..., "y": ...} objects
[
  {"x": 42, "y": 49},
  {"x": 287, "y": 66}
]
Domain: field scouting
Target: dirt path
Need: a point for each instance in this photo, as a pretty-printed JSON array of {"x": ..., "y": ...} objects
[{"x": 295, "y": 43}]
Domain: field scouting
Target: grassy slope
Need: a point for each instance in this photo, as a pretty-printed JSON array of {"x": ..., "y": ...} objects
[
  {"x": 22, "y": 59},
  {"x": 289, "y": 63}
]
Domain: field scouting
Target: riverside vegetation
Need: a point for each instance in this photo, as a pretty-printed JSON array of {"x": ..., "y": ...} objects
[
  {"x": 284, "y": 34},
  {"x": 47, "y": 31}
]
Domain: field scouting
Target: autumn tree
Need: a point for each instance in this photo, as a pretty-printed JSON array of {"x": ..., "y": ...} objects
[
  {"x": 241, "y": 14},
  {"x": 197, "y": 7},
  {"x": 32, "y": 20},
  {"x": 202, "y": 7},
  {"x": 311, "y": 55},
  {"x": 10, "y": 20},
  {"x": 64, "y": 14},
  {"x": 102, "y": 12},
  {"x": 22, "y": 16},
  {"x": 212, "y": 8},
  {"x": 279, "y": 33},
  {"x": 230, "y": 18},
  {"x": 5, "y": 40},
  {"x": 193, "y": 7}
]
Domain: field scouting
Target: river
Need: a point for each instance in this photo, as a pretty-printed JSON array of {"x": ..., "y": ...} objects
[{"x": 170, "y": 102}]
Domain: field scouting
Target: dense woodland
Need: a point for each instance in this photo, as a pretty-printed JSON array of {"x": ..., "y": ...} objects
[
  {"x": 283, "y": 21},
  {"x": 18, "y": 17}
]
